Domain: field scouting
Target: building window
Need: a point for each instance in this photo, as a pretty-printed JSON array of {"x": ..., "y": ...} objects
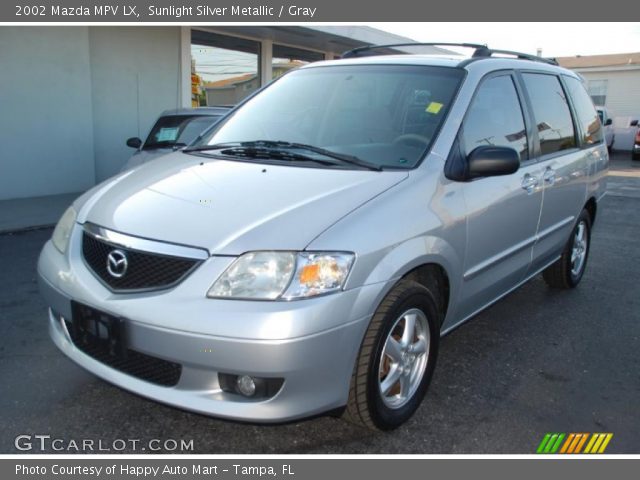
[
  {"x": 224, "y": 69},
  {"x": 598, "y": 91},
  {"x": 288, "y": 58}
]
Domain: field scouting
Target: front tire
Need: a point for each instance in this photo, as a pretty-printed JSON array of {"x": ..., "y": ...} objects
[
  {"x": 569, "y": 269},
  {"x": 396, "y": 360}
]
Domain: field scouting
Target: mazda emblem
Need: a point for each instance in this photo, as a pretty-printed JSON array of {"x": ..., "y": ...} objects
[{"x": 117, "y": 263}]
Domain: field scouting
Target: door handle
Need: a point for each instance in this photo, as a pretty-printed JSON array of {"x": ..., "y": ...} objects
[
  {"x": 529, "y": 183},
  {"x": 549, "y": 176}
]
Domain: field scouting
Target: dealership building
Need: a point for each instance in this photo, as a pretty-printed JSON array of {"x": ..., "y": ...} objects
[{"x": 71, "y": 96}]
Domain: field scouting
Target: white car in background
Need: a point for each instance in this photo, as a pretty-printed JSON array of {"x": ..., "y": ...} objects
[
  {"x": 607, "y": 122},
  {"x": 173, "y": 130}
]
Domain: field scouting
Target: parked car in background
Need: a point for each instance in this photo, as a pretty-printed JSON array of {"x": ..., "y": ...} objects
[
  {"x": 635, "y": 152},
  {"x": 173, "y": 130},
  {"x": 607, "y": 123},
  {"x": 306, "y": 254}
]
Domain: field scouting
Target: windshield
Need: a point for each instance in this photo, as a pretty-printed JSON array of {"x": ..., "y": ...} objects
[
  {"x": 178, "y": 129},
  {"x": 386, "y": 115}
]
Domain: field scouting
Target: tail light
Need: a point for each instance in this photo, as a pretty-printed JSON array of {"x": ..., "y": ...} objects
[{"x": 638, "y": 136}]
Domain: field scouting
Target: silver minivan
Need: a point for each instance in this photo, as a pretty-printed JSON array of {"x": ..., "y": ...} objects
[{"x": 306, "y": 253}]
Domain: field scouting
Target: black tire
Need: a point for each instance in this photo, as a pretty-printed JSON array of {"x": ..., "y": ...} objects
[
  {"x": 635, "y": 156},
  {"x": 562, "y": 274},
  {"x": 366, "y": 406}
]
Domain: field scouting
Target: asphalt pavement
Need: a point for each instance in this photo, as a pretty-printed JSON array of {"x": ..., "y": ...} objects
[{"x": 538, "y": 361}]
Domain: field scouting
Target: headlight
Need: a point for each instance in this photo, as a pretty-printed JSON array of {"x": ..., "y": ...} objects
[
  {"x": 255, "y": 275},
  {"x": 318, "y": 273},
  {"x": 62, "y": 232},
  {"x": 286, "y": 275}
]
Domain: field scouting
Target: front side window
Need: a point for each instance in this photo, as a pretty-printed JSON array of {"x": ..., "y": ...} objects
[
  {"x": 588, "y": 119},
  {"x": 495, "y": 118},
  {"x": 551, "y": 112},
  {"x": 386, "y": 115}
]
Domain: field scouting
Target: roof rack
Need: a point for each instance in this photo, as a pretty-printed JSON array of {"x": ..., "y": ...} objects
[
  {"x": 480, "y": 51},
  {"x": 488, "y": 52}
]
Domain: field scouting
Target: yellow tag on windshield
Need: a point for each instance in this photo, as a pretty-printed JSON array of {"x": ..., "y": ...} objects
[{"x": 434, "y": 107}]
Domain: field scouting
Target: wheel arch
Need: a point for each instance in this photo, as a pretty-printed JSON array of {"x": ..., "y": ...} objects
[
  {"x": 429, "y": 261},
  {"x": 434, "y": 277},
  {"x": 591, "y": 206}
]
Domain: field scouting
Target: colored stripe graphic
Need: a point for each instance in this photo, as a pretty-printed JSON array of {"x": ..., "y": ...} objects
[
  {"x": 550, "y": 443},
  {"x": 598, "y": 443},
  {"x": 581, "y": 443},
  {"x": 543, "y": 443},
  {"x": 577, "y": 438},
  {"x": 556, "y": 445},
  {"x": 565, "y": 447},
  {"x": 604, "y": 445},
  {"x": 574, "y": 443}
]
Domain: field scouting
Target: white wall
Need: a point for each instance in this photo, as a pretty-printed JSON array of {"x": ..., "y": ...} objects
[
  {"x": 622, "y": 102},
  {"x": 623, "y": 90},
  {"x": 71, "y": 96},
  {"x": 46, "y": 131},
  {"x": 135, "y": 76}
]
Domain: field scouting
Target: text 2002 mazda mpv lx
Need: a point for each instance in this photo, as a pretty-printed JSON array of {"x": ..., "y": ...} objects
[{"x": 307, "y": 252}]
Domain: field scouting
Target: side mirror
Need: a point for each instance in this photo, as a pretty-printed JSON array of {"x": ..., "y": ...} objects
[
  {"x": 608, "y": 122},
  {"x": 134, "y": 142},
  {"x": 634, "y": 123},
  {"x": 490, "y": 161}
]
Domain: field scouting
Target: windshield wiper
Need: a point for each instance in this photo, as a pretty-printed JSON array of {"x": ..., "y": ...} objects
[
  {"x": 270, "y": 153},
  {"x": 165, "y": 144},
  {"x": 278, "y": 144},
  {"x": 215, "y": 146}
]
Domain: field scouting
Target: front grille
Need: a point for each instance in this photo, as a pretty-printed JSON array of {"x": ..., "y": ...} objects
[
  {"x": 145, "y": 270},
  {"x": 145, "y": 367}
]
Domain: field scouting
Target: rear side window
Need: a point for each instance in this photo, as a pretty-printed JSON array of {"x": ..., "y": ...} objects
[
  {"x": 588, "y": 119},
  {"x": 551, "y": 112},
  {"x": 495, "y": 118}
]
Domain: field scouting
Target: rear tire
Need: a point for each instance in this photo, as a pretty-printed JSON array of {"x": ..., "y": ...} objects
[
  {"x": 396, "y": 359},
  {"x": 568, "y": 270}
]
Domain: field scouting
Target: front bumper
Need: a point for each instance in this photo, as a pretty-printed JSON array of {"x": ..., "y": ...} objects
[{"x": 311, "y": 343}]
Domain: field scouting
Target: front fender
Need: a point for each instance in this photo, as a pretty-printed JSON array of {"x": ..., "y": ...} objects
[
  {"x": 421, "y": 221},
  {"x": 401, "y": 259}
]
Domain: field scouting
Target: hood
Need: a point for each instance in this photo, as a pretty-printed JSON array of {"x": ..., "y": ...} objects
[
  {"x": 230, "y": 207},
  {"x": 143, "y": 156}
]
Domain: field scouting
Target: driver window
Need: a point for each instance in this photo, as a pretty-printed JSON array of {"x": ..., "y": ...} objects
[{"x": 495, "y": 118}]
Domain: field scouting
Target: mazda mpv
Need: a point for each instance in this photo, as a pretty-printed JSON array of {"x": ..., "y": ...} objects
[{"x": 306, "y": 254}]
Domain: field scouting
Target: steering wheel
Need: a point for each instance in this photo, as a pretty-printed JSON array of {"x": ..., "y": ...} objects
[{"x": 412, "y": 139}]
